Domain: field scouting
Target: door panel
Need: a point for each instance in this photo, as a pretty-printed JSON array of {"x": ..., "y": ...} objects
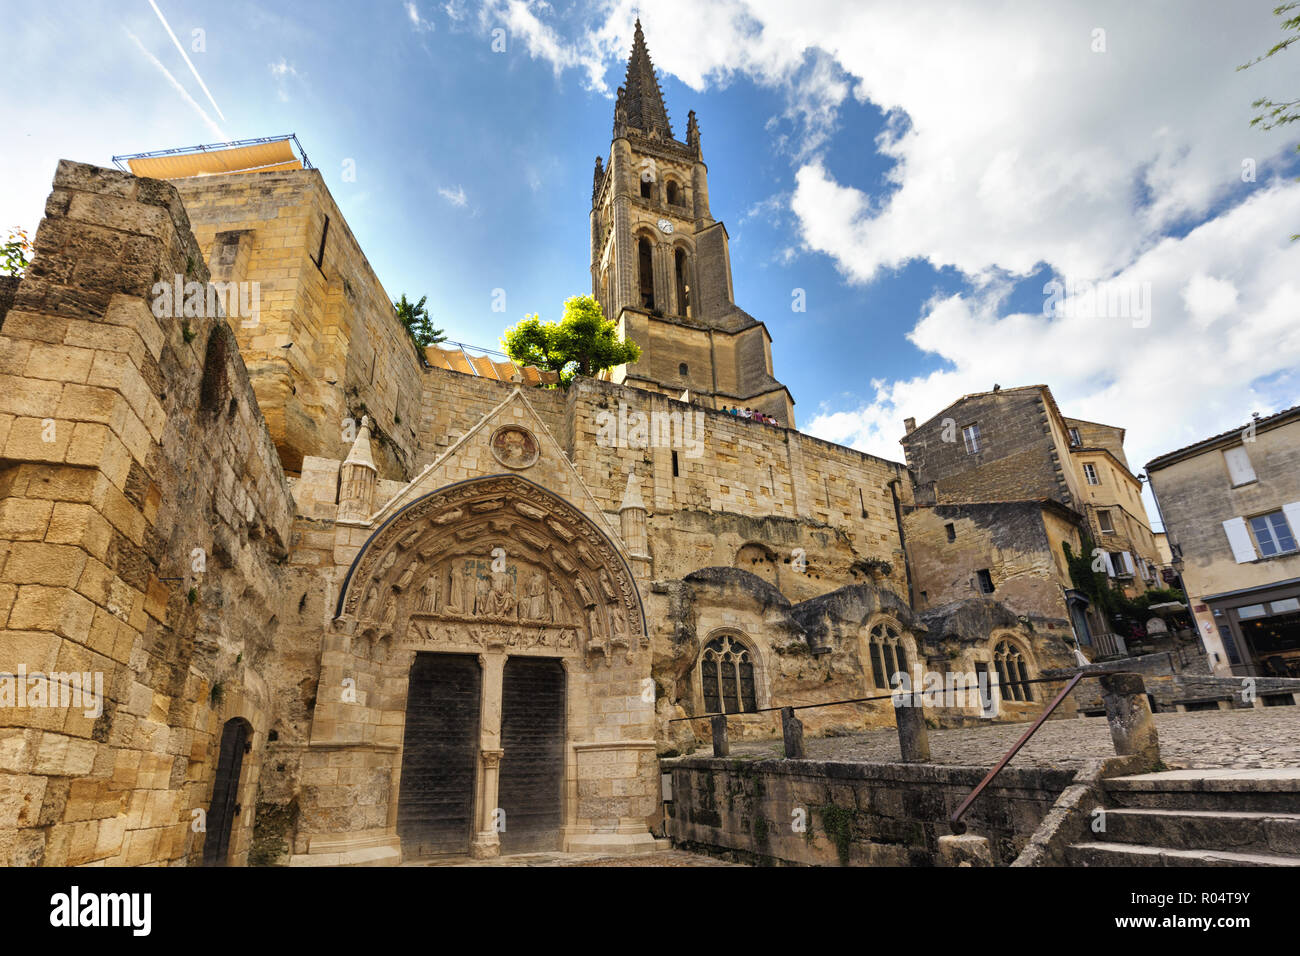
[
  {"x": 532, "y": 769},
  {"x": 440, "y": 749}
]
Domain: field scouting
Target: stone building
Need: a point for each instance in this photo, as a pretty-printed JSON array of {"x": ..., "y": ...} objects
[
  {"x": 389, "y": 608},
  {"x": 1014, "y": 445},
  {"x": 1231, "y": 508},
  {"x": 660, "y": 264},
  {"x": 1009, "y": 551}
]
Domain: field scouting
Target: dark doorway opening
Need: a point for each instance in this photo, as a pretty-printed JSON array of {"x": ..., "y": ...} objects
[
  {"x": 532, "y": 768},
  {"x": 440, "y": 749},
  {"x": 225, "y": 792}
]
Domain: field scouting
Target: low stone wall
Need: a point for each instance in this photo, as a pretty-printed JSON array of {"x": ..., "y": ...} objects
[
  {"x": 849, "y": 814},
  {"x": 1168, "y": 686}
]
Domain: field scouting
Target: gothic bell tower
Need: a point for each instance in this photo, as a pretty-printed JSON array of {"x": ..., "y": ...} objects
[{"x": 660, "y": 264}]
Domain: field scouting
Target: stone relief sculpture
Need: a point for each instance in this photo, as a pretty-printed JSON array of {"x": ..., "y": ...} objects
[
  {"x": 557, "y": 606},
  {"x": 535, "y": 607},
  {"x": 404, "y": 581},
  {"x": 429, "y": 594},
  {"x": 450, "y": 579},
  {"x": 500, "y": 601},
  {"x": 368, "y": 608}
]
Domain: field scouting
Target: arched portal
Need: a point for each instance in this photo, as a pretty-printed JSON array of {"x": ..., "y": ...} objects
[{"x": 507, "y": 598}]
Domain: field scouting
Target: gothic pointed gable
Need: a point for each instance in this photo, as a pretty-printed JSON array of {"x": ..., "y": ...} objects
[
  {"x": 641, "y": 100},
  {"x": 504, "y": 492},
  {"x": 510, "y": 439}
]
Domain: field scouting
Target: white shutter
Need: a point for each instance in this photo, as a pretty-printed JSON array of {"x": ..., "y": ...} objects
[
  {"x": 1128, "y": 561},
  {"x": 1110, "y": 565},
  {"x": 1239, "y": 467},
  {"x": 1292, "y": 512},
  {"x": 1243, "y": 549}
]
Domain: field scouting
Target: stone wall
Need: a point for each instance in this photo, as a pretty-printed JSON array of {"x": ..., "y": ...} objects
[
  {"x": 327, "y": 345},
  {"x": 1010, "y": 540},
  {"x": 1021, "y": 455},
  {"x": 144, "y": 525},
  {"x": 852, "y": 814}
]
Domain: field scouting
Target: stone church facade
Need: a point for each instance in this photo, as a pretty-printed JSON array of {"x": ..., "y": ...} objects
[{"x": 348, "y": 608}]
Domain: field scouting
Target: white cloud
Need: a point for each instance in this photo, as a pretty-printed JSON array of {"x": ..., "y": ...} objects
[
  {"x": 283, "y": 71},
  {"x": 418, "y": 23},
  {"x": 454, "y": 196},
  {"x": 1015, "y": 148},
  {"x": 1186, "y": 375}
]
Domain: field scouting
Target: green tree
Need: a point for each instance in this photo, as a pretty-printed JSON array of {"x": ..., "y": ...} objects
[
  {"x": 583, "y": 342},
  {"x": 1274, "y": 113},
  {"x": 416, "y": 321},
  {"x": 14, "y": 253}
]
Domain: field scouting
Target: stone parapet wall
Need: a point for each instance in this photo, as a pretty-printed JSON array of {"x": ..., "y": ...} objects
[
  {"x": 144, "y": 520},
  {"x": 851, "y": 814}
]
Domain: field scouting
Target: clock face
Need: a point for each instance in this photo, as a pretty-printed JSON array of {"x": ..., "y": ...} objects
[{"x": 665, "y": 226}]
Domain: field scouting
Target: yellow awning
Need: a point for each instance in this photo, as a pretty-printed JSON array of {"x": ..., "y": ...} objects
[{"x": 261, "y": 157}]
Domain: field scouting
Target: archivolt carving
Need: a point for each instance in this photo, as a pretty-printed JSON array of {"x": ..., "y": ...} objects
[{"x": 496, "y": 562}]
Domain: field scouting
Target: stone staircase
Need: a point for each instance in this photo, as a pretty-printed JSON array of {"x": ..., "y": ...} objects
[{"x": 1197, "y": 818}]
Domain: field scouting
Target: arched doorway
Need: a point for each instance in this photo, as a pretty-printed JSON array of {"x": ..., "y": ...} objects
[
  {"x": 225, "y": 792},
  {"x": 501, "y": 617}
]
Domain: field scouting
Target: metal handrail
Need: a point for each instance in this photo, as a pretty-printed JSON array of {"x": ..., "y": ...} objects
[
  {"x": 954, "y": 821},
  {"x": 858, "y": 700}
]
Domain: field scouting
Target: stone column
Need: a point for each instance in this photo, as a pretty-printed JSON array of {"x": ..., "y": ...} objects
[
  {"x": 487, "y": 842},
  {"x": 913, "y": 736},
  {"x": 1128, "y": 712},
  {"x": 721, "y": 746},
  {"x": 636, "y": 536},
  {"x": 792, "y": 734},
  {"x": 358, "y": 478}
]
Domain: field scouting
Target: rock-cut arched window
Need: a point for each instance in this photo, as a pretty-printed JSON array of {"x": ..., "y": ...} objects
[
  {"x": 727, "y": 676},
  {"x": 888, "y": 655},
  {"x": 1013, "y": 675}
]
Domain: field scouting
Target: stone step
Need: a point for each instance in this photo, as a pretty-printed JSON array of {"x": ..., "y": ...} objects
[
  {"x": 1130, "y": 854},
  {"x": 1265, "y": 791},
  {"x": 1233, "y": 830}
]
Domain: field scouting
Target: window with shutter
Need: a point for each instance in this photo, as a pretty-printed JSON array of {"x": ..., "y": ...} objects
[
  {"x": 1273, "y": 534},
  {"x": 1243, "y": 549},
  {"x": 1239, "y": 466}
]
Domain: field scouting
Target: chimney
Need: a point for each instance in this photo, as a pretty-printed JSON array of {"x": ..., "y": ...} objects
[{"x": 909, "y": 424}]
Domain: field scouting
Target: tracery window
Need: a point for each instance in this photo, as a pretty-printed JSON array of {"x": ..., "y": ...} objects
[
  {"x": 727, "y": 676},
  {"x": 1013, "y": 675},
  {"x": 888, "y": 655}
]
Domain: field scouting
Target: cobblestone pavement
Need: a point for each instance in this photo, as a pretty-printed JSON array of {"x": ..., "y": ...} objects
[
  {"x": 1247, "y": 738},
  {"x": 657, "y": 859}
]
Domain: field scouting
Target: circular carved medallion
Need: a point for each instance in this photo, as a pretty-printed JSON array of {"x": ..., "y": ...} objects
[{"x": 515, "y": 447}]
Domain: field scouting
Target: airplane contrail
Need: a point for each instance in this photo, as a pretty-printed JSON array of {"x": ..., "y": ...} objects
[
  {"x": 179, "y": 89},
  {"x": 185, "y": 56}
]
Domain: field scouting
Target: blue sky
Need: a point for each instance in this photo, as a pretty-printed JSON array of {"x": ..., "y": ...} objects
[{"x": 920, "y": 169}]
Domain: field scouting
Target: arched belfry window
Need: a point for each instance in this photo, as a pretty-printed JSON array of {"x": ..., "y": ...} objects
[
  {"x": 888, "y": 655},
  {"x": 647, "y": 188},
  {"x": 682, "y": 268},
  {"x": 727, "y": 676},
  {"x": 672, "y": 194},
  {"x": 646, "y": 272},
  {"x": 1013, "y": 675}
]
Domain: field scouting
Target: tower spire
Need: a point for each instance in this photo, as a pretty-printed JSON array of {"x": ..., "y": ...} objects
[{"x": 640, "y": 101}]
